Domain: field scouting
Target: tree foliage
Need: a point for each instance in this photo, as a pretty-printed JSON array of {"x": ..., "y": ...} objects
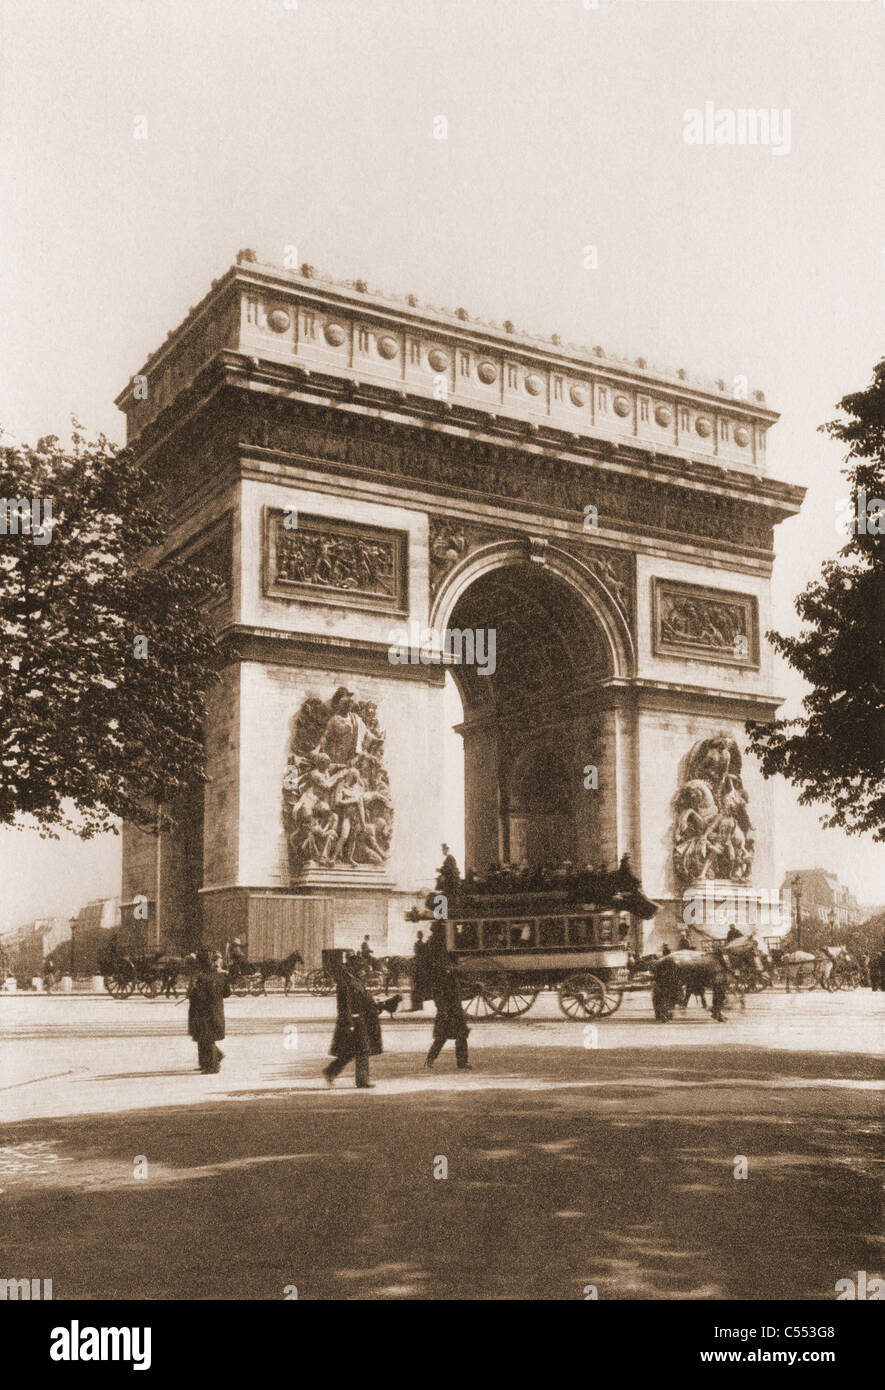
[
  {"x": 835, "y": 752},
  {"x": 91, "y": 718}
]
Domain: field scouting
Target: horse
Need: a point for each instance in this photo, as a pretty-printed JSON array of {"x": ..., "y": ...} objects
[
  {"x": 683, "y": 973},
  {"x": 286, "y": 969}
]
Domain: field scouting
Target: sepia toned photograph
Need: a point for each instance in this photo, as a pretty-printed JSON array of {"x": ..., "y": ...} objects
[{"x": 442, "y": 668}]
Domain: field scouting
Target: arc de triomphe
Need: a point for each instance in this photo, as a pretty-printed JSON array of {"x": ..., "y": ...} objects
[{"x": 367, "y": 474}]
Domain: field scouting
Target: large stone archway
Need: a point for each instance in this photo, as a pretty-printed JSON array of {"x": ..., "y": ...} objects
[
  {"x": 535, "y": 746},
  {"x": 366, "y": 474}
]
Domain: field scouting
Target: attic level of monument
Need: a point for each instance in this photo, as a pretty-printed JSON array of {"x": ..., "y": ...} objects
[{"x": 342, "y": 339}]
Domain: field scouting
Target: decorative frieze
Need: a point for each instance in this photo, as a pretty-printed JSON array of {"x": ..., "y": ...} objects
[
  {"x": 690, "y": 620},
  {"x": 317, "y": 558},
  {"x": 499, "y": 472},
  {"x": 308, "y": 324}
]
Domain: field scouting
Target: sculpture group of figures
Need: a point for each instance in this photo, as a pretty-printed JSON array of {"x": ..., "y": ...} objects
[
  {"x": 714, "y": 836},
  {"x": 336, "y": 562},
  {"x": 709, "y": 624},
  {"x": 336, "y": 793}
]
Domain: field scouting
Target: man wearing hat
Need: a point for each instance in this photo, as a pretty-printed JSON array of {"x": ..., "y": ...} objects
[
  {"x": 450, "y": 1020},
  {"x": 205, "y": 1018},
  {"x": 357, "y": 1035}
]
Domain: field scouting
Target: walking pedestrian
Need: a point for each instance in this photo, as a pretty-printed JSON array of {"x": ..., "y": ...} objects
[
  {"x": 420, "y": 988},
  {"x": 450, "y": 1020},
  {"x": 357, "y": 1035},
  {"x": 205, "y": 1018}
]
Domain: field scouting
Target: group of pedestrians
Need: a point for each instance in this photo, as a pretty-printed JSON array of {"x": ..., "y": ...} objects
[{"x": 357, "y": 1035}]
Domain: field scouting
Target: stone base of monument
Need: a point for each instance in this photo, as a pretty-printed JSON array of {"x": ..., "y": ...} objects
[
  {"x": 713, "y": 905},
  {"x": 356, "y": 876}
]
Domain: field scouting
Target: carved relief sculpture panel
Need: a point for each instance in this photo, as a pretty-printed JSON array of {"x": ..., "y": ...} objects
[
  {"x": 689, "y": 620},
  {"x": 713, "y": 836},
  {"x": 319, "y": 559},
  {"x": 336, "y": 794}
]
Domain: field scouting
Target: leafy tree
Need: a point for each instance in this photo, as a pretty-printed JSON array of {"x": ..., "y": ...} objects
[
  {"x": 105, "y": 657},
  {"x": 835, "y": 752}
]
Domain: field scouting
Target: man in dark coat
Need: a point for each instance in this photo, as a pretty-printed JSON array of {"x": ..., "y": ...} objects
[
  {"x": 450, "y": 1020},
  {"x": 205, "y": 1016},
  {"x": 448, "y": 879},
  {"x": 357, "y": 1035},
  {"x": 420, "y": 989}
]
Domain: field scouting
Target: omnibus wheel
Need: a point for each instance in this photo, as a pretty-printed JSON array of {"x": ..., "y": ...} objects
[
  {"x": 614, "y": 997},
  {"x": 582, "y": 995},
  {"x": 507, "y": 1000},
  {"x": 476, "y": 1002}
]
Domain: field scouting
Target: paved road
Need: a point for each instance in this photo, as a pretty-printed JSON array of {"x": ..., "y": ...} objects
[{"x": 573, "y": 1157}]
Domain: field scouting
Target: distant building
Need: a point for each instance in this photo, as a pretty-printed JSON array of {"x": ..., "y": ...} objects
[
  {"x": 824, "y": 901},
  {"x": 26, "y": 948},
  {"x": 74, "y": 943},
  {"x": 91, "y": 932}
]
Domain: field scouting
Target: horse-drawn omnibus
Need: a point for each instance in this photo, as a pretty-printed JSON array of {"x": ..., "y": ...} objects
[{"x": 507, "y": 952}]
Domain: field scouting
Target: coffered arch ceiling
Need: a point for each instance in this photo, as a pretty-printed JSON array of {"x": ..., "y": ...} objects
[{"x": 547, "y": 643}]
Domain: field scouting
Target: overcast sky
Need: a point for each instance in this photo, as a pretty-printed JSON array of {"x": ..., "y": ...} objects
[{"x": 273, "y": 123}]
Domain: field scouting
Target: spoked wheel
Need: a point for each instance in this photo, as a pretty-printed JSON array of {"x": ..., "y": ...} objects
[
  {"x": 508, "y": 1000},
  {"x": 256, "y": 984},
  {"x": 319, "y": 983},
  {"x": 149, "y": 988},
  {"x": 582, "y": 995},
  {"x": 374, "y": 982},
  {"x": 614, "y": 997},
  {"x": 120, "y": 988},
  {"x": 477, "y": 1003}
]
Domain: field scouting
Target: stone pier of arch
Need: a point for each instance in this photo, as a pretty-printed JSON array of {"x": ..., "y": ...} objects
[{"x": 353, "y": 465}]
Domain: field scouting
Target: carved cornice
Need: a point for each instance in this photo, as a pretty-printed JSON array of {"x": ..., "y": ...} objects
[
  {"x": 314, "y": 652},
  {"x": 341, "y": 330},
  {"x": 457, "y": 465}
]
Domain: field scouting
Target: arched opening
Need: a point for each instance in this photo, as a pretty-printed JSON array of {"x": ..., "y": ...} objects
[
  {"x": 532, "y": 721},
  {"x": 453, "y": 768}
]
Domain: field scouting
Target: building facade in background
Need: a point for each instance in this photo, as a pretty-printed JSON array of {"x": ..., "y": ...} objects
[{"x": 824, "y": 901}]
